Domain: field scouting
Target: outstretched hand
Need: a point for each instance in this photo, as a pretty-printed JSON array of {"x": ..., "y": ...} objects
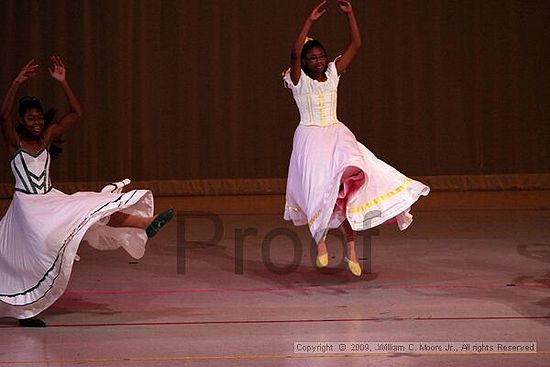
[
  {"x": 345, "y": 6},
  {"x": 28, "y": 71},
  {"x": 57, "y": 70},
  {"x": 318, "y": 11}
]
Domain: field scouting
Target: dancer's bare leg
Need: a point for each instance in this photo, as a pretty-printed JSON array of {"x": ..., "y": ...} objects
[
  {"x": 120, "y": 219},
  {"x": 350, "y": 240},
  {"x": 151, "y": 225},
  {"x": 322, "y": 254},
  {"x": 353, "y": 262},
  {"x": 322, "y": 248}
]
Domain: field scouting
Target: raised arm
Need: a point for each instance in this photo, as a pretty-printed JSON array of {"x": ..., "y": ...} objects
[
  {"x": 55, "y": 130},
  {"x": 8, "y": 127},
  {"x": 355, "y": 37},
  {"x": 295, "y": 62}
]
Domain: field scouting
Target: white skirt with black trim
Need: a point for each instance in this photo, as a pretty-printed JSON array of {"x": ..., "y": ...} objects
[{"x": 40, "y": 235}]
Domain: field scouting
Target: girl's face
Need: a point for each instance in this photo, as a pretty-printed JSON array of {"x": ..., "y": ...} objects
[
  {"x": 316, "y": 61},
  {"x": 33, "y": 121}
]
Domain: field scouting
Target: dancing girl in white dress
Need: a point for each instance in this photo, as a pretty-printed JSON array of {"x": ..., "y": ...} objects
[
  {"x": 333, "y": 180},
  {"x": 43, "y": 227}
]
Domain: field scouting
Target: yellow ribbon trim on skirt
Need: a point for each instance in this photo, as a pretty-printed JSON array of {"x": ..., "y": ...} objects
[{"x": 379, "y": 199}]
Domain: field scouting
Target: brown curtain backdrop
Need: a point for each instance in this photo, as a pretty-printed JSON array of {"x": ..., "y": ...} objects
[{"x": 192, "y": 89}]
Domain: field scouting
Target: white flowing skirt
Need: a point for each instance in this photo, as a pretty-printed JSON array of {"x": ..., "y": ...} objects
[
  {"x": 333, "y": 177},
  {"x": 40, "y": 235}
]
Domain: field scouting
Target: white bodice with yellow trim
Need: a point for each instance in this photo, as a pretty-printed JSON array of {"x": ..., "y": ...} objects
[
  {"x": 31, "y": 171},
  {"x": 316, "y": 100}
]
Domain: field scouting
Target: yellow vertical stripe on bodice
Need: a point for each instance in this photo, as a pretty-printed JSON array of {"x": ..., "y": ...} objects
[
  {"x": 333, "y": 105},
  {"x": 310, "y": 109},
  {"x": 322, "y": 114}
]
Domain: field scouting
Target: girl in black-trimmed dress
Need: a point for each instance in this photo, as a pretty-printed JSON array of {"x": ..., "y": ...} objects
[{"x": 43, "y": 227}]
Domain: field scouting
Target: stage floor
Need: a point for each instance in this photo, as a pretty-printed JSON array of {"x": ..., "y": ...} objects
[{"x": 473, "y": 277}]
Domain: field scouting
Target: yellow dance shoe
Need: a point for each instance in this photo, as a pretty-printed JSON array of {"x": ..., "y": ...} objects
[
  {"x": 322, "y": 261},
  {"x": 354, "y": 267}
]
